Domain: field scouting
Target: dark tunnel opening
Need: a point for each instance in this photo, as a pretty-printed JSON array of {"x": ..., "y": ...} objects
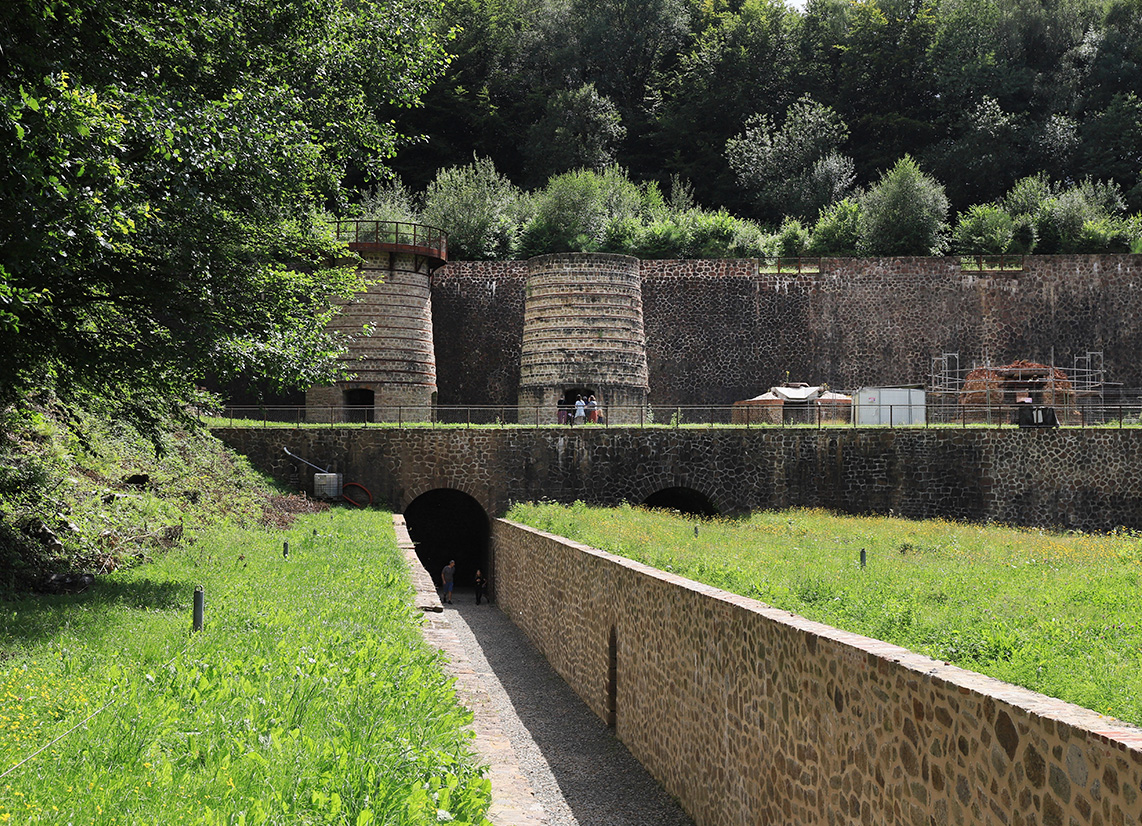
[
  {"x": 448, "y": 524},
  {"x": 683, "y": 500}
]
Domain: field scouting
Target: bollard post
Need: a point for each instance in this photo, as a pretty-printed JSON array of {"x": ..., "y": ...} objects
[
  {"x": 199, "y": 609},
  {"x": 863, "y": 558}
]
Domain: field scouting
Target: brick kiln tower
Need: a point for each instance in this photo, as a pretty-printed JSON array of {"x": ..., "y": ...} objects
[
  {"x": 583, "y": 334},
  {"x": 393, "y": 365}
]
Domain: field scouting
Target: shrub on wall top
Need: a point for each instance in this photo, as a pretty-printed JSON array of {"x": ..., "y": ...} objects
[
  {"x": 479, "y": 208},
  {"x": 903, "y": 213},
  {"x": 574, "y": 211},
  {"x": 985, "y": 229},
  {"x": 837, "y": 230}
]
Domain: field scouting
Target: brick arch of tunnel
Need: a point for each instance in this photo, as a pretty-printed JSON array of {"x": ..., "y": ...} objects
[
  {"x": 448, "y": 524},
  {"x": 682, "y": 493}
]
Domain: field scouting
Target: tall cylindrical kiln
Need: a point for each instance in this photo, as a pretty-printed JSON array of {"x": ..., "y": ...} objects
[
  {"x": 582, "y": 336},
  {"x": 390, "y": 353}
]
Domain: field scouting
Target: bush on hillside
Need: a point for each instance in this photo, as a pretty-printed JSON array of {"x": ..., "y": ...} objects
[{"x": 66, "y": 504}]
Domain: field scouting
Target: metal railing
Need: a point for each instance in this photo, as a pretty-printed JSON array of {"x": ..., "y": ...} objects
[
  {"x": 371, "y": 234},
  {"x": 894, "y": 416}
]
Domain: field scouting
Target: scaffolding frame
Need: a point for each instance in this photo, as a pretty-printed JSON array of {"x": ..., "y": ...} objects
[{"x": 947, "y": 385}]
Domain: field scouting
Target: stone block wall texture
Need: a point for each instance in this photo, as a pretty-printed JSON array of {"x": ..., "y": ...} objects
[
  {"x": 477, "y": 316},
  {"x": 1083, "y": 479},
  {"x": 399, "y": 351},
  {"x": 719, "y": 331},
  {"x": 750, "y": 715}
]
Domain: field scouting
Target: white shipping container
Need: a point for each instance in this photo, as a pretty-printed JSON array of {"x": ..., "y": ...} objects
[{"x": 889, "y": 406}]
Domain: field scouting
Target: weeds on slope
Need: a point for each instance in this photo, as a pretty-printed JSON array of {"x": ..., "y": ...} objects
[{"x": 89, "y": 484}]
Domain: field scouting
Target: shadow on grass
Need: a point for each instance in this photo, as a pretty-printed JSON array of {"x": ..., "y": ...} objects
[{"x": 36, "y": 617}]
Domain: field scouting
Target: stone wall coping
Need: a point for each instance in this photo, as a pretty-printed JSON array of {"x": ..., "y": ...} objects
[{"x": 1108, "y": 730}]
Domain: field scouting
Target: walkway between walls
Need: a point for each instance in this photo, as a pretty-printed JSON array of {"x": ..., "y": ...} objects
[{"x": 552, "y": 762}]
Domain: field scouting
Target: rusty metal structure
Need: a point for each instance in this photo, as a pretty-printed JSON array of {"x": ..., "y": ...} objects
[{"x": 989, "y": 393}]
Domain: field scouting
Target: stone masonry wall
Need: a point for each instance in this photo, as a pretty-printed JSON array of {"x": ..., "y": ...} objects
[
  {"x": 1083, "y": 479},
  {"x": 751, "y": 715},
  {"x": 477, "y": 320},
  {"x": 721, "y": 331}
]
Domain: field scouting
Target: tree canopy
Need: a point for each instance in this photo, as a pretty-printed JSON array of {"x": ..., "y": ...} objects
[
  {"x": 981, "y": 93},
  {"x": 165, "y": 169}
]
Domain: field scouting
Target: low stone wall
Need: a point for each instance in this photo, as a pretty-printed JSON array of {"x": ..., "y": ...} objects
[{"x": 748, "y": 714}]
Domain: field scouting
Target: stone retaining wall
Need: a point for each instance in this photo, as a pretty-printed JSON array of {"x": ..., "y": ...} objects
[
  {"x": 720, "y": 331},
  {"x": 752, "y": 715},
  {"x": 1071, "y": 478}
]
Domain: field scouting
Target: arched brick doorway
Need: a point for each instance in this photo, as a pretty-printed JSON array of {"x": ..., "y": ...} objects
[
  {"x": 449, "y": 524},
  {"x": 684, "y": 500}
]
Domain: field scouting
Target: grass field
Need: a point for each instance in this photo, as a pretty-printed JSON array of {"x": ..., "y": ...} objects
[
  {"x": 310, "y": 696},
  {"x": 1054, "y": 612}
]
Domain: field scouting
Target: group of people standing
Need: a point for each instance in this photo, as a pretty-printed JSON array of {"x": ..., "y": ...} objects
[{"x": 584, "y": 410}]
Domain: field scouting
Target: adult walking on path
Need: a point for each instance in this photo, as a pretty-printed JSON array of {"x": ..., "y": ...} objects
[{"x": 577, "y": 770}]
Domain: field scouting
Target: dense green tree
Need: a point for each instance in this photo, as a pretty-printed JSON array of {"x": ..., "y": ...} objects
[
  {"x": 742, "y": 65},
  {"x": 985, "y": 152},
  {"x": 510, "y": 56},
  {"x": 581, "y": 129},
  {"x": 984, "y": 92},
  {"x": 1112, "y": 145},
  {"x": 795, "y": 169},
  {"x": 1116, "y": 67},
  {"x": 886, "y": 91},
  {"x": 903, "y": 213},
  {"x": 971, "y": 55},
  {"x": 625, "y": 43},
  {"x": 162, "y": 173}
]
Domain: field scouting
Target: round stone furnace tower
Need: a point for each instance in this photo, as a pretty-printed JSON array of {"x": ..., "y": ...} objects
[
  {"x": 391, "y": 354},
  {"x": 583, "y": 335}
]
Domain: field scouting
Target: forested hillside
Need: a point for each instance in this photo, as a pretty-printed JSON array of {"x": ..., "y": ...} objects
[{"x": 769, "y": 111}]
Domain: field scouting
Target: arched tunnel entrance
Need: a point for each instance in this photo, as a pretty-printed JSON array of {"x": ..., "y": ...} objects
[
  {"x": 684, "y": 500},
  {"x": 448, "y": 524}
]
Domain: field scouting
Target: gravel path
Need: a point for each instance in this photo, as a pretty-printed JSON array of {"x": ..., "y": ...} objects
[{"x": 579, "y": 772}]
